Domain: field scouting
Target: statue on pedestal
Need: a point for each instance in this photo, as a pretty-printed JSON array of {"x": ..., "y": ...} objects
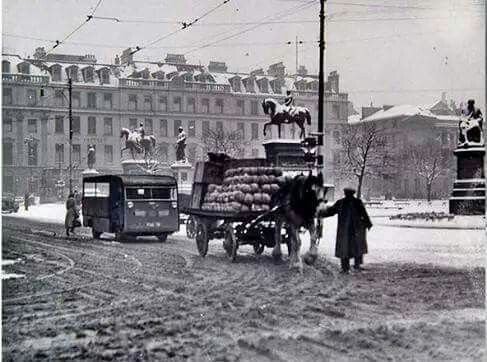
[
  {"x": 286, "y": 114},
  {"x": 137, "y": 142},
  {"x": 91, "y": 156},
  {"x": 181, "y": 146},
  {"x": 471, "y": 127}
]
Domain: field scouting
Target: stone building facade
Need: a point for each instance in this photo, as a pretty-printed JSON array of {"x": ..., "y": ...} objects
[
  {"x": 407, "y": 126},
  {"x": 161, "y": 95}
]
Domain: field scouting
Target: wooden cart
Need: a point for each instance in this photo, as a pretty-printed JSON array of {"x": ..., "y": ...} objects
[{"x": 256, "y": 228}]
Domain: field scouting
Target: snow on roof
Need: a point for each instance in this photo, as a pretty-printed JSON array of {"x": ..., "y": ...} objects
[
  {"x": 289, "y": 83},
  {"x": 222, "y": 78},
  {"x": 448, "y": 118},
  {"x": 16, "y": 60},
  {"x": 354, "y": 118},
  {"x": 404, "y": 111}
]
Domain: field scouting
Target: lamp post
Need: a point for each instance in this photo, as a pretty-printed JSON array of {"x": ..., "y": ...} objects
[
  {"x": 70, "y": 115},
  {"x": 321, "y": 85},
  {"x": 31, "y": 143}
]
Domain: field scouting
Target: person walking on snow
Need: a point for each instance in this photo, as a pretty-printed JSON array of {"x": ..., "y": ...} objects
[
  {"x": 72, "y": 215},
  {"x": 353, "y": 220}
]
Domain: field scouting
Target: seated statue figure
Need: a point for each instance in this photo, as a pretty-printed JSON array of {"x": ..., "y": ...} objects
[{"x": 471, "y": 127}]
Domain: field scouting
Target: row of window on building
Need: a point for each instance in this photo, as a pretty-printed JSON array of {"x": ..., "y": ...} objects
[
  {"x": 134, "y": 104},
  {"x": 163, "y": 130}
]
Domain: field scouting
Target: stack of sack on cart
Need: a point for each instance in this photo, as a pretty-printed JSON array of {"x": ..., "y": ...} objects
[{"x": 244, "y": 189}]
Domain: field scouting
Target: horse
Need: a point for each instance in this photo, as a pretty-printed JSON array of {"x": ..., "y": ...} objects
[
  {"x": 300, "y": 200},
  {"x": 280, "y": 114},
  {"x": 137, "y": 144}
]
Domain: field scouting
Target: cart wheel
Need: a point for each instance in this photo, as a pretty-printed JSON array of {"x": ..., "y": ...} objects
[
  {"x": 230, "y": 243},
  {"x": 191, "y": 228},
  {"x": 258, "y": 249},
  {"x": 96, "y": 234},
  {"x": 201, "y": 238}
]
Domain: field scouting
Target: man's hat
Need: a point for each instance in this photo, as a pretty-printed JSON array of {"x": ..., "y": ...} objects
[
  {"x": 471, "y": 101},
  {"x": 180, "y": 128},
  {"x": 349, "y": 188}
]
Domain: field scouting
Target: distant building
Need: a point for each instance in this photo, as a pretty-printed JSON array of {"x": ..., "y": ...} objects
[
  {"x": 407, "y": 125},
  {"x": 161, "y": 95}
]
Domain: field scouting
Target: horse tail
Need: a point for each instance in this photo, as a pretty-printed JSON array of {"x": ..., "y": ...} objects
[{"x": 308, "y": 117}]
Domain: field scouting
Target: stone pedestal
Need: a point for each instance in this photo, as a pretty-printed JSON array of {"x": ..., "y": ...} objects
[
  {"x": 468, "y": 196},
  {"x": 89, "y": 172},
  {"x": 135, "y": 167},
  {"x": 287, "y": 154},
  {"x": 184, "y": 174}
]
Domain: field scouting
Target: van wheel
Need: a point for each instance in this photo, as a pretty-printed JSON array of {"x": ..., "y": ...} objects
[
  {"x": 96, "y": 234},
  {"x": 162, "y": 237}
]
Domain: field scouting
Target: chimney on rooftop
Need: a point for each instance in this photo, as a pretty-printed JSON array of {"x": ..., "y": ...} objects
[
  {"x": 443, "y": 97},
  {"x": 217, "y": 67},
  {"x": 302, "y": 71},
  {"x": 259, "y": 71},
  {"x": 333, "y": 81},
  {"x": 277, "y": 70}
]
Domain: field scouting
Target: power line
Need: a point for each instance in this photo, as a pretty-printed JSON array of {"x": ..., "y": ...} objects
[
  {"x": 184, "y": 25},
  {"x": 88, "y": 18},
  {"x": 286, "y": 12},
  {"x": 413, "y": 90}
]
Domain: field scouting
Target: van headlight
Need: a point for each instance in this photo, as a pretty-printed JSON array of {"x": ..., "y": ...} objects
[{"x": 130, "y": 204}]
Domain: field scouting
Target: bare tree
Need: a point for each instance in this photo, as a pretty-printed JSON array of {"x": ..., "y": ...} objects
[
  {"x": 230, "y": 142},
  {"x": 427, "y": 161},
  {"x": 364, "y": 150}
]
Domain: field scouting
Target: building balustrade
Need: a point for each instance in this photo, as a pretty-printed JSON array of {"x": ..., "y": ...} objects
[{"x": 25, "y": 78}]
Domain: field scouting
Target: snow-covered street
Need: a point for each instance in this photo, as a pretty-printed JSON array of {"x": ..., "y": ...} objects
[{"x": 460, "y": 247}]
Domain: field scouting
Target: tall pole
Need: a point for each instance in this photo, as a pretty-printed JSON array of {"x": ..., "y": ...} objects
[
  {"x": 321, "y": 87},
  {"x": 296, "y": 76},
  {"x": 70, "y": 92}
]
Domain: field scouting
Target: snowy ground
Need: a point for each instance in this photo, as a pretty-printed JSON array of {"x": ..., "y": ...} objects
[{"x": 437, "y": 246}]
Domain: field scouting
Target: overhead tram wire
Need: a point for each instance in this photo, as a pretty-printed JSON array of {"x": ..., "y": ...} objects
[
  {"x": 184, "y": 25},
  {"x": 280, "y": 14},
  {"x": 302, "y": 7},
  {"x": 88, "y": 18}
]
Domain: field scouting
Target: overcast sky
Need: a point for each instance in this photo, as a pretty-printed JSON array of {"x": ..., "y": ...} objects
[{"x": 387, "y": 52}]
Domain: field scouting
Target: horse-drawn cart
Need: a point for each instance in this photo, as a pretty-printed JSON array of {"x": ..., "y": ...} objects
[{"x": 222, "y": 209}]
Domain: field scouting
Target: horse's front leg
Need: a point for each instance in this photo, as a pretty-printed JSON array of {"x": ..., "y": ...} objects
[
  {"x": 265, "y": 128},
  {"x": 276, "y": 252},
  {"x": 295, "y": 257},
  {"x": 279, "y": 130},
  {"x": 312, "y": 254}
]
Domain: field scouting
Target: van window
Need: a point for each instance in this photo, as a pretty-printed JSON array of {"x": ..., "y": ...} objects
[
  {"x": 89, "y": 190},
  {"x": 96, "y": 189},
  {"x": 136, "y": 193},
  {"x": 102, "y": 189},
  {"x": 161, "y": 193},
  {"x": 154, "y": 193}
]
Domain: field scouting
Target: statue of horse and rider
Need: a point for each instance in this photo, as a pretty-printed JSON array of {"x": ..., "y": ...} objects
[
  {"x": 286, "y": 113},
  {"x": 137, "y": 142}
]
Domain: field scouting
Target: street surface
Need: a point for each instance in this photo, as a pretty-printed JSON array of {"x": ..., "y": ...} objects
[{"x": 83, "y": 299}]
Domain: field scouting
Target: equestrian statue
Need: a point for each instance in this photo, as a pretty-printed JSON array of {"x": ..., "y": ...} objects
[
  {"x": 137, "y": 142},
  {"x": 286, "y": 113}
]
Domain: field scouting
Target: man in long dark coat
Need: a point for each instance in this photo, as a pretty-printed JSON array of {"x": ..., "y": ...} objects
[{"x": 353, "y": 221}]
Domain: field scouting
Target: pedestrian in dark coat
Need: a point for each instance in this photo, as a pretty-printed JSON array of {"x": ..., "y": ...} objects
[
  {"x": 351, "y": 241},
  {"x": 26, "y": 201},
  {"x": 72, "y": 216}
]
